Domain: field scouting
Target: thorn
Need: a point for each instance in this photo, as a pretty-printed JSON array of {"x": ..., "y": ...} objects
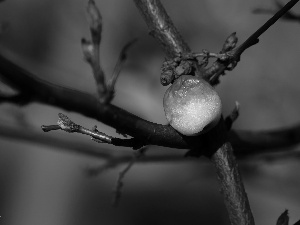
[{"x": 230, "y": 42}]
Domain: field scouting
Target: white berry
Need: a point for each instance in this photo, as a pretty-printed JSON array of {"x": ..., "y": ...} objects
[{"x": 191, "y": 104}]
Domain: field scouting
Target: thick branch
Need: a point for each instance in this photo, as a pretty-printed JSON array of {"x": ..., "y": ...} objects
[
  {"x": 232, "y": 186},
  {"x": 79, "y": 147},
  {"x": 161, "y": 27},
  {"x": 245, "y": 142}
]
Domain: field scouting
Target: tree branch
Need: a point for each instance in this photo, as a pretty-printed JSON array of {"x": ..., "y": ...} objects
[
  {"x": 65, "y": 124},
  {"x": 215, "y": 141},
  {"x": 119, "y": 184},
  {"x": 91, "y": 49},
  {"x": 245, "y": 142},
  {"x": 236, "y": 200},
  {"x": 219, "y": 66},
  {"x": 232, "y": 187},
  {"x": 161, "y": 27},
  {"x": 290, "y": 16},
  {"x": 79, "y": 147}
]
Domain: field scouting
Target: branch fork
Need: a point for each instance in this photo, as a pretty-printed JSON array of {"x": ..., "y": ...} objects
[{"x": 91, "y": 52}]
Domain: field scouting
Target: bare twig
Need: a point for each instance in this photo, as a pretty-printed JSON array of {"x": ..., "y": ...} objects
[
  {"x": 19, "y": 99},
  {"x": 119, "y": 184},
  {"x": 253, "y": 39},
  {"x": 161, "y": 27},
  {"x": 95, "y": 22},
  {"x": 118, "y": 67},
  {"x": 64, "y": 123},
  {"x": 91, "y": 49},
  {"x": 218, "y": 68},
  {"x": 93, "y": 171}
]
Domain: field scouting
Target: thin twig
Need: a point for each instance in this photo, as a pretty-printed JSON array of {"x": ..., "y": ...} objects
[
  {"x": 93, "y": 171},
  {"x": 18, "y": 99},
  {"x": 91, "y": 49},
  {"x": 119, "y": 184},
  {"x": 218, "y": 68},
  {"x": 253, "y": 39},
  {"x": 119, "y": 65},
  {"x": 65, "y": 124}
]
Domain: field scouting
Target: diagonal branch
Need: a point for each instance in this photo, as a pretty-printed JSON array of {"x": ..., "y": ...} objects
[
  {"x": 244, "y": 142},
  {"x": 161, "y": 27},
  {"x": 218, "y": 68}
]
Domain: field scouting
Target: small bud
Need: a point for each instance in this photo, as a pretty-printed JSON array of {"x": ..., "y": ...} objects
[
  {"x": 230, "y": 42},
  {"x": 88, "y": 50},
  {"x": 66, "y": 124},
  {"x": 95, "y": 21},
  {"x": 167, "y": 77},
  {"x": 185, "y": 67}
]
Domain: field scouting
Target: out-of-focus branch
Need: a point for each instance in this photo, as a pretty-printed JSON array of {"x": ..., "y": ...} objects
[
  {"x": 161, "y": 27},
  {"x": 91, "y": 49},
  {"x": 290, "y": 16},
  {"x": 119, "y": 184},
  {"x": 91, "y": 52},
  {"x": 18, "y": 99},
  {"x": 121, "y": 60}
]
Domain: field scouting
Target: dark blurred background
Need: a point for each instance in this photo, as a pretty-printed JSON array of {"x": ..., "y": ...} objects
[{"x": 45, "y": 185}]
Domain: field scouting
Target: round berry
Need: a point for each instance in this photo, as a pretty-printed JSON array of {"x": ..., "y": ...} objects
[{"x": 192, "y": 105}]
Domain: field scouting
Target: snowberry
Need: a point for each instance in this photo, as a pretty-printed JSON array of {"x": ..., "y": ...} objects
[{"x": 192, "y": 105}]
